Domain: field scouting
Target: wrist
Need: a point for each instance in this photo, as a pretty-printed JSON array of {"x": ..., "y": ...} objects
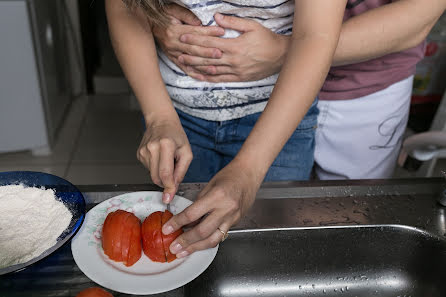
[
  {"x": 161, "y": 117},
  {"x": 253, "y": 171}
]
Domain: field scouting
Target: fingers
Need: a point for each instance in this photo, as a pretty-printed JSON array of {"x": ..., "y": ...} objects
[
  {"x": 153, "y": 162},
  {"x": 206, "y": 41},
  {"x": 194, "y": 74},
  {"x": 221, "y": 213},
  {"x": 187, "y": 216},
  {"x": 202, "y": 232},
  {"x": 183, "y": 14},
  {"x": 210, "y": 242},
  {"x": 167, "y": 163},
  {"x": 235, "y": 23},
  {"x": 180, "y": 65},
  {"x": 183, "y": 160},
  {"x": 166, "y": 168},
  {"x": 199, "y": 51},
  {"x": 169, "y": 39},
  {"x": 193, "y": 60},
  {"x": 173, "y": 54},
  {"x": 214, "y": 31}
]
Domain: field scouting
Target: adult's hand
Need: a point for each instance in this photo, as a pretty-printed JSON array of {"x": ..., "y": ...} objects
[
  {"x": 183, "y": 21},
  {"x": 165, "y": 151},
  {"x": 257, "y": 53},
  {"x": 221, "y": 204}
]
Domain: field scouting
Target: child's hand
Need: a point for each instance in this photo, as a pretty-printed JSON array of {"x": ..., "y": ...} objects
[{"x": 166, "y": 152}]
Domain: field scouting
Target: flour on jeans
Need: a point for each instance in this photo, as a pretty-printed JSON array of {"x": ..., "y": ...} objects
[{"x": 31, "y": 220}]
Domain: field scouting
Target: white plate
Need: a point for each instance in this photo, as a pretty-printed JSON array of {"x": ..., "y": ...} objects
[{"x": 145, "y": 276}]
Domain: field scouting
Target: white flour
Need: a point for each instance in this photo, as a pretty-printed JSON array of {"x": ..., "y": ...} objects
[{"x": 31, "y": 220}]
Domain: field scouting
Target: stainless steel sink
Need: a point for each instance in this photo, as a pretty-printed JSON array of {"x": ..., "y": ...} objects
[
  {"x": 386, "y": 260},
  {"x": 318, "y": 238}
]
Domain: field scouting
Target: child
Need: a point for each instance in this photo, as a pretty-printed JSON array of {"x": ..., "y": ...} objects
[{"x": 236, "y": 130}]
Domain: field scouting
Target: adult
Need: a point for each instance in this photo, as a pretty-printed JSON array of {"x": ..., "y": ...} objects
[{"x": 365, "y": 100}]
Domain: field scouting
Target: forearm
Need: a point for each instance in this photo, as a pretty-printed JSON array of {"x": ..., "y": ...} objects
[
  {"x": 288, "y": 104},
  {"x": 136, "y": 52},
  {"x": 387, "y": 29},
  {"x": 304, "y": 71}
]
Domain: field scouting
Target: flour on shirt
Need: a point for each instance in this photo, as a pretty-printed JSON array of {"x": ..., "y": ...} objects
[{"x": 31, "y": 220}]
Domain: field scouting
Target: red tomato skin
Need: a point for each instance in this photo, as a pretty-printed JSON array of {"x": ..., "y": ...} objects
[
  {"x": 118, "y": 228},
  {"x": 152, "y": 241},
  {"x": 135, "y": 249},
  {"x": 125, "y": 238},
  {"x": 168, "y": 239},
  {"x": 117, "y": 240},
  {"x": 94, "y": 292},
  {"x": 106, "y": 235}
]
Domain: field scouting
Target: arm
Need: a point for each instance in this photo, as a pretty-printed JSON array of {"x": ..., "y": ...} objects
[
  {"x": 231, "y": 192},
  {"x": 164, "y": 140},
  {"x": 388, "y": 29}
]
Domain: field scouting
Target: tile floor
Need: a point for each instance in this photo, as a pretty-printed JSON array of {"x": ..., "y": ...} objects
[{"x": 97, "y": 145}]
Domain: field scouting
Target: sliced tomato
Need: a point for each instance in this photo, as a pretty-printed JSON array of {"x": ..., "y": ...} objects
[
  {"x": 135, "y": 248},
  {"x": 115, "y": 225},
  {"x": 118, "y": 240},
  {"x": 121, "y": 217},
  {"x": 125, "y": 238},
  {"x": 168, "y": 239},
  {"x": 155, "y": 244},
  {"x": 94, "y": 292},
  {"x": 152, "y": 241},
  {"x": 107, "y": 235}
]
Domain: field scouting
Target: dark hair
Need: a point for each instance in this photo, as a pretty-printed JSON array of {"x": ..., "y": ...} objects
[{"x": 153, "y": 9}]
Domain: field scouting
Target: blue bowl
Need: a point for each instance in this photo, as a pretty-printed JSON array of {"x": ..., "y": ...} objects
[{"x": 64, "y": 191}]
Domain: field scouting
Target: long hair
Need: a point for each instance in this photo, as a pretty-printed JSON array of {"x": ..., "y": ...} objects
[{"x": 153, "y": 9}]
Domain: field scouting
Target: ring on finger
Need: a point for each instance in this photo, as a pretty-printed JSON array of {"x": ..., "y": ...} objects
[{"x": 225, "y": 234}]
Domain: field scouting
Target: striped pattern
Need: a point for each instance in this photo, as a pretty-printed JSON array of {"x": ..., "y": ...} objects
[{"x": 226, "y": 101}]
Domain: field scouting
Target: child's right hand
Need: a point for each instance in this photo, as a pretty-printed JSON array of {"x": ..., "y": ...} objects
[{"x": 165, "y": 151}]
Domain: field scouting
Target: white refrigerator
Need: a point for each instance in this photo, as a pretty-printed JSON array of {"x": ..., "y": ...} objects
[{"x": 35, "y": 90}]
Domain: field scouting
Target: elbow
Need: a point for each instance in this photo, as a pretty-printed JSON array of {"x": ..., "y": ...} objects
[{"x": 418, "y": 37}]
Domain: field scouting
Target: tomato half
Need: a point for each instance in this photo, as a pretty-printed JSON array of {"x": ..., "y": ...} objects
[
  {"x": 94, "y": 292},
  {"x": 121, "y": 237},
  {"x": 168, "y": 239},
  {"x": 135, "y": 248},
  {"x": 152, "y": 241},
  {"x": 155, "y": 244}
]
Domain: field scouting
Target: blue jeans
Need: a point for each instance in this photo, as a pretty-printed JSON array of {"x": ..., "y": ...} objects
[{"x": 215, "y": 144}]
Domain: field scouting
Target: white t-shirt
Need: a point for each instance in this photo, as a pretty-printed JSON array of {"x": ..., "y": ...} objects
[{"x": 226, "y": 101}]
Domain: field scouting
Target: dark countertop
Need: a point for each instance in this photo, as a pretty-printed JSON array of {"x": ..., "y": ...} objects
[{"x": 314, "y": 204}]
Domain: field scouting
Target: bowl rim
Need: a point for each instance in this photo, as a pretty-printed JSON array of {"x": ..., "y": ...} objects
[{"x": 71, "y": 230}]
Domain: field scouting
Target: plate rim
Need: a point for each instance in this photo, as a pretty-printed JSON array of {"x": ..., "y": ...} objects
[{"x": 135, "y": 290}]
